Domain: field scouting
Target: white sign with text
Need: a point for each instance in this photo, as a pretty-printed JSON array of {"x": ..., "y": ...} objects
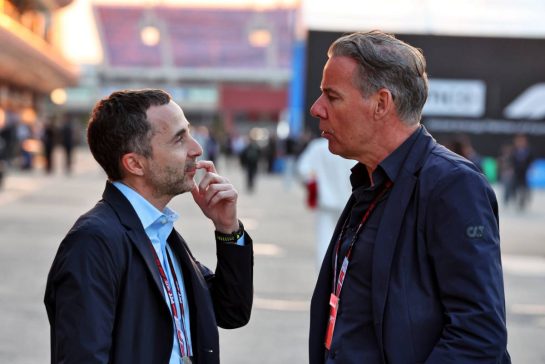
[{"x": 456, "y": 98}]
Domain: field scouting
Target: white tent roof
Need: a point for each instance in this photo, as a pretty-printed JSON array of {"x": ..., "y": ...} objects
[{"x": 510, "y": 18}]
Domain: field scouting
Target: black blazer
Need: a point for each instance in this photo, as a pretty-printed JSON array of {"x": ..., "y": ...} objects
[
  {"x": 437, "y": 282},
  {"x": 104, "y": 295}
]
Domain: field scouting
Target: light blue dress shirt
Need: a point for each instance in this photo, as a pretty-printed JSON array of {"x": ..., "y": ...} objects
[{"x": 158, "y": 226}]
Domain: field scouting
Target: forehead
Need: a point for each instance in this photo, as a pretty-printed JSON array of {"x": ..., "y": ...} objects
[
  {"x": 166, "y": 118},
  {"x": 339, "y": 70}
]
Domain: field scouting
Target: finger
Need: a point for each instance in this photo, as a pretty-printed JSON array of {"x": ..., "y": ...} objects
[
  {"x": 223, "y": 196},
  {"x": 214, "y": 189},
  {"x": 207, "y": 180},
  {"x": 210, "y": 179},
  {"x": 196, "y": 193},
  {"x": 206, "y": 165}
]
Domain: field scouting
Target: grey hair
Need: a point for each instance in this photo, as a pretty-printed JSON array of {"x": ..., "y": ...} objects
[{"x": 387, "y": 62}]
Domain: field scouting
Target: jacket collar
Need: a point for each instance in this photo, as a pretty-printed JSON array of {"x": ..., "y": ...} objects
[
  {"x": 135, "y": 231},
  {"x": 122, "y": 207}
]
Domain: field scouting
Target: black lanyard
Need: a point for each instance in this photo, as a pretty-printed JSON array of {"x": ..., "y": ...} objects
[{"x": 337, "y": 284}]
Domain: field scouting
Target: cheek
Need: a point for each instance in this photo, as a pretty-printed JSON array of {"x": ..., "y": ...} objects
[{"x": 180, "y": 155}]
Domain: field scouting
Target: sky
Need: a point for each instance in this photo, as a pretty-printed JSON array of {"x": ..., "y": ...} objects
[{"x": 78, "y": 37}]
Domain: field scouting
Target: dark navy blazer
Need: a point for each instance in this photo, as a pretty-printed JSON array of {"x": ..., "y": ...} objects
[
  {"x": 104, "y": 295},
  {"x": 437, "y": 282}
]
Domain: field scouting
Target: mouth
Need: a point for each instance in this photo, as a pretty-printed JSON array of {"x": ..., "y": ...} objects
[
  {"x": 192, "y": 168},
  {"x": 327, "y": 133}
]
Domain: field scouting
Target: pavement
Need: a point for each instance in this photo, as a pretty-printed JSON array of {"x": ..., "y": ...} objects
[{"x": 36, "y": 211}]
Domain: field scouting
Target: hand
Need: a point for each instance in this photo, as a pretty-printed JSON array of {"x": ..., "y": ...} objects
[{"x": 217, "y": 198}]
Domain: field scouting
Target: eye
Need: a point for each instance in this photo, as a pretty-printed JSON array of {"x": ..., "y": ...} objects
[
  {"x": 331, "y": 97},
  {"x": 180, "y": 138}
]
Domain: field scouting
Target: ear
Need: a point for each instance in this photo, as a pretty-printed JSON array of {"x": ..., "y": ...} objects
[
  {"x": 384, "y": 103},
  {"x": 133, "y": 164}
]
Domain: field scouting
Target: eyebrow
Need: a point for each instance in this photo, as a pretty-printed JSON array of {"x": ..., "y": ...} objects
[
  {"x": 179, "y": 134},
  {"x": 329, "y": 91}
]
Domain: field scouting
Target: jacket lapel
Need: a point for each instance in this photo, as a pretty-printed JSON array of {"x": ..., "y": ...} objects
[
  {"x": 390, "y": 226},
  {"x": 179, "y": 246},
  {"x": 135, "y": 231}
]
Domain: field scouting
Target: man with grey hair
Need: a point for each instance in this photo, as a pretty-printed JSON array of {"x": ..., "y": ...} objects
[{"x": 413, "y": 272}]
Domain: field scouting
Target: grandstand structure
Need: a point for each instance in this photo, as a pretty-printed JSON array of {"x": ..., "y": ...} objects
[{"x": 230, "y": 66}]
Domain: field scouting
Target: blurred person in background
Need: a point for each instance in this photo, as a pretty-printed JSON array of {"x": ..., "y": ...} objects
[
  {"x": 505, "y": 164},
  {"x": 124, "y": 286},
  {"x": 271, "y": 153},
  {"x": 201, "y": 135},
  {"x": 3, "y": 155},
  {"x": 24, "y": 134},
  {"x": 212, "y": 148},
  {"x": 331, "y": 176},
  {"x": 249, "y": 159},
  {"x": 67, "y": 138},
  {"x": 49, "y": 141},
  {"x": 234, "y": 144},
  {"x": 463, "y": 147},
  {"x": 521, "y": 158},
  {"x": 413, "y": 272},
  {"x": 8, "y": 133},
  {"x": 290, "y": 149}
]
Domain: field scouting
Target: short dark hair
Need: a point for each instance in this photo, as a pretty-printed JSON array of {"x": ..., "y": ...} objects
[
  {"x": 387, "y": 62},
  {"x": 119, "y": 125}
]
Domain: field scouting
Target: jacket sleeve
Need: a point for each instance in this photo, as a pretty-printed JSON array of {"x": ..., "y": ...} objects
[
  {"x": 81, "y": 299},
  {"x": 231, "y": 285},
  {"x": 464, "y": 247}
]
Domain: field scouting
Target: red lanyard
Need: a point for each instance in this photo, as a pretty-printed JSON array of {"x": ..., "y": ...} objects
[
  {"x": 180, "y": 328},
  {"x": 342, "y": 274}
]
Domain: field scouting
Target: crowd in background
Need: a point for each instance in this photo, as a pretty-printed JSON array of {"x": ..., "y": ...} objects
[
  {"x": 258, "y": 151},
  {"x": 29, "y": 146},
  {"x": 510, "y": 169}
]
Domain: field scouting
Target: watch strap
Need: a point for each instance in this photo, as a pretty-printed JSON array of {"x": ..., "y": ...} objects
[{"x": 232, "y": 237}]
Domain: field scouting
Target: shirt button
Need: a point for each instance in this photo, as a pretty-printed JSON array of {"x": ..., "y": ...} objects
[{"x": 163, "y": 220}]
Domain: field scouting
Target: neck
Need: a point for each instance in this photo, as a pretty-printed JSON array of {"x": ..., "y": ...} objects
[
  {"x": 139, "y": 186},
  {"x": 384, "y": 145}
]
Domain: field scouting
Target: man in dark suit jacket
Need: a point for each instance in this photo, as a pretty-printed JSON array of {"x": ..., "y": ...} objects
[
  {"x": 413, "y": 271},
  {"x": 124, "y": 286}
]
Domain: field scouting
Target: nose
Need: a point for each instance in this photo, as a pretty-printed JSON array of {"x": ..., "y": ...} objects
[
  {"x": 318, "y": 110},
  {"x": 195, "y": 150}
]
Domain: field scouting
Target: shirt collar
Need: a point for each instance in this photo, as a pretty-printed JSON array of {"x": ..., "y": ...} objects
[
  {"x": 392, "y": 164},
  {"x": 147, "y": 213}
]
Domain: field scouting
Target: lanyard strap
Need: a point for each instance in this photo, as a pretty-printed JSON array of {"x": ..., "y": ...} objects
[
  {"x": 338, "y": 283},
  {"x": 180, "y": 300},
  {"x": 180, "y": 328}
]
